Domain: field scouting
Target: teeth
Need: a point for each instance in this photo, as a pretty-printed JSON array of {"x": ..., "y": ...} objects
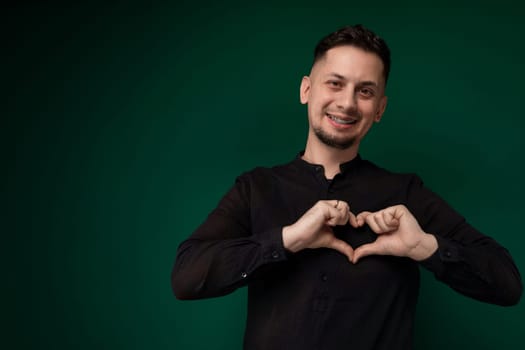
[{"x": 341, "y": 121}]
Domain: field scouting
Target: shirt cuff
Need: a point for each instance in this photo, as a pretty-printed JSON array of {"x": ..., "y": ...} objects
[
  {"x": 272, "y": 246},
  {"x": 447, "y": 252}
]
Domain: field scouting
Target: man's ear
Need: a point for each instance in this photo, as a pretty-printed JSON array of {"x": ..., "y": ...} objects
[
  {"x": 304, "y": 90},
  {"x": 381, "y": 109}
]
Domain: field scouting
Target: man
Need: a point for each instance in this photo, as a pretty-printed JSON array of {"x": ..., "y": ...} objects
[{"x": 330, "y": 244}]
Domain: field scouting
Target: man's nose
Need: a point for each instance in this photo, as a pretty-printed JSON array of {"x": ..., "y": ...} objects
[{"x": 347, "y": 100}]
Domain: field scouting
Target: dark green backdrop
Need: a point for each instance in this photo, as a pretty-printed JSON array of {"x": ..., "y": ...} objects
[{"x": 117, "y": 118}]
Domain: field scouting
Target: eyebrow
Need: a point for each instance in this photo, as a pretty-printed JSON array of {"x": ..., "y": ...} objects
[
  {"x": 361, "y": 83},
  {"x": 338, "y": 76}
]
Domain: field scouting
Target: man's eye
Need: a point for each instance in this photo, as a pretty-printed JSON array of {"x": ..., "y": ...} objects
[
  {"x": 333, "y": 83},
  {"x": 366, "y": 92}
]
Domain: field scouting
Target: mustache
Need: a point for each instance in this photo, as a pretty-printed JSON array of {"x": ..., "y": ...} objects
[{"x": 352, "y": 113}]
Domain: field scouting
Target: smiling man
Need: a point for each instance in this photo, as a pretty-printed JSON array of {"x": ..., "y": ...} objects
[
  {"x": 330, "y": 245},
  {"x": 345, "y": 90}
]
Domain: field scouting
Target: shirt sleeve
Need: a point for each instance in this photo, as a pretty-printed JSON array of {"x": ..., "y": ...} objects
[
  {"x": 467, "y": 260},
  {"x": 224, "y": 253}
]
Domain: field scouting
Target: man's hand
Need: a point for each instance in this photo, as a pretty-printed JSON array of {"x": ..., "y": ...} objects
[
  {"x": 314, "y": 228},
  {"x": 399, "y": 234}
]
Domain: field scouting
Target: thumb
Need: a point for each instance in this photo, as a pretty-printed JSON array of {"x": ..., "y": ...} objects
[
  {"x": 365, "y": 250},
  {"x": 342, "y": 247}
]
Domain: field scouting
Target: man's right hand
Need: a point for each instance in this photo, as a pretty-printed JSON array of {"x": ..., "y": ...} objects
[{"x": 314, "y": 228}]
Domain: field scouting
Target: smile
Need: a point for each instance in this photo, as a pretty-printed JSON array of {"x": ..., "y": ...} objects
[{"x": 342, "y": 121}]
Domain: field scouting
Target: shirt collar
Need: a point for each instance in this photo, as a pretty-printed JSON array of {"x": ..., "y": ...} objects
[{"x": 344, "y": 167}]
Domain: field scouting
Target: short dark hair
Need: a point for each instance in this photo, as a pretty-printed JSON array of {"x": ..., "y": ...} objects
[{"x": 357, "y": 36}]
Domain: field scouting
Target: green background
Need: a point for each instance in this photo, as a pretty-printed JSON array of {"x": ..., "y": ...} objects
[{"x": 123, "y": 126}]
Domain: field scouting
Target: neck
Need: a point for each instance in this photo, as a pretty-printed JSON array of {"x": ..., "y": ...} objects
[{"x": 330, "y": 158}]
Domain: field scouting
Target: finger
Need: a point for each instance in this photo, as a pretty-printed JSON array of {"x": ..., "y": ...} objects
[
  {"x": 349, "y": 216},
  {"x": 380, "y": 222},
  {"x": 343, "y": 209},
  {"x": 334, "y": 203},
  {"x": 342, "y": 247},
  {"x": 353, "y": 219},
  {"x": 371, "y": 221},
  {"x": 343, "y": 206},
  {"x": 337, "y": 215},
  {"x": 389, "y": 219},
  {"x": 334, "y": 217},
  {"x": 366, "y": 250},
  {"x": 345, "y": 216},
  {"x": 361, "y": 217}
]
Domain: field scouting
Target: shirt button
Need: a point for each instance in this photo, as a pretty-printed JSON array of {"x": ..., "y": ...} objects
[
  {"x": 244, "y": 275},
  {"x": 275, "y": 254},
  {"x": 324, "y": 277},
  {"x": 448, "y": 254},
  {"x": 318, "y": 168}
]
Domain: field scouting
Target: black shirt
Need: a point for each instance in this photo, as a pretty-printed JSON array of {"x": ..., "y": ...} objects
[{"x": 316, "y": 298}]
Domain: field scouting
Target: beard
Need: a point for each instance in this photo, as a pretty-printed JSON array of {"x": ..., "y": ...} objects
[{"x": 332, "y": 141}]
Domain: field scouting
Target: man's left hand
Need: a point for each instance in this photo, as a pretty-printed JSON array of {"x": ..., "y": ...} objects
[{"x": 399, "y": 234}]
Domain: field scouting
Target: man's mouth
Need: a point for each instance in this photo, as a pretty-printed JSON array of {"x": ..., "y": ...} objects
[{"x": 342, "y": 120}]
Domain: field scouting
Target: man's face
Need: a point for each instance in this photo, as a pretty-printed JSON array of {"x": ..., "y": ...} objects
[{"x": 345, "y": 95}]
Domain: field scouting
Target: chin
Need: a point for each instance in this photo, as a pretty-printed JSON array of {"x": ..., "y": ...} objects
[{"x": 334, "y": 141}]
